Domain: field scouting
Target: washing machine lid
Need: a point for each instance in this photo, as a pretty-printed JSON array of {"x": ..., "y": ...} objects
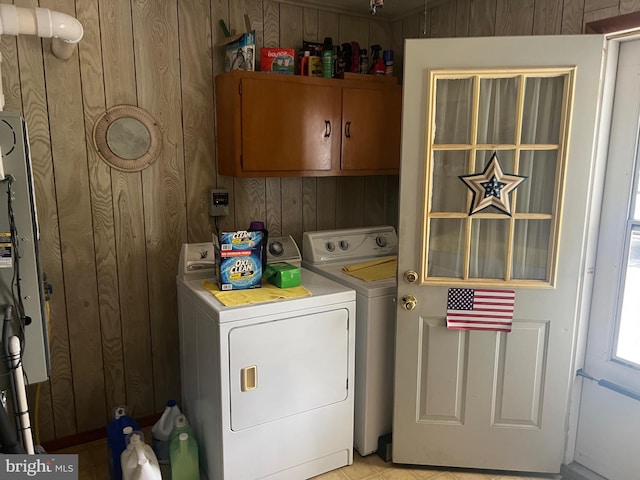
[
  {"x": 376, "y": 288},
  {"x": 323, "y": 292}
]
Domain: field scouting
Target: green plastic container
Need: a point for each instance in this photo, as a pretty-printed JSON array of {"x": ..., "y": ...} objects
[
  {"x": 183, "y": 451},
  {"x": 282, "y": 274}
]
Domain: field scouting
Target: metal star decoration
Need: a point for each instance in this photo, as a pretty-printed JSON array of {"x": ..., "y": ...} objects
[{"x": 492, "y": 187}]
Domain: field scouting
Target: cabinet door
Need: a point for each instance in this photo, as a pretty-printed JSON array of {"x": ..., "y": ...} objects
[
  {"x": 371, "y": 128},
  {"x": 289, "y": 126}
]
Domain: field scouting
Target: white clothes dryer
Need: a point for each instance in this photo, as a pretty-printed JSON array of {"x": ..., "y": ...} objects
[
  {"x": 267, "y": 387},
  {"x": 326, "y": 252}
]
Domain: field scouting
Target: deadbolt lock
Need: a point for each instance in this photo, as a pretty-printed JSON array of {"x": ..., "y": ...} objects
[
  {"x": 410, "y": 276},
  {"x": 409, "y": 302}
]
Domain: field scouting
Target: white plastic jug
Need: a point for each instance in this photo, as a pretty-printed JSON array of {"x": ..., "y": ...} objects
[
  {"x": 139, "y": 462},
  {"x": 162, "y": 429}
]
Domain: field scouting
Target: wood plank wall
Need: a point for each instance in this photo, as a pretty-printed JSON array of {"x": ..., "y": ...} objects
[{"x": 110, "y": 240}]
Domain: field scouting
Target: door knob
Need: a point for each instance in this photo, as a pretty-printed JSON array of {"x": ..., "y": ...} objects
[
  {"x": 410, "y": 276},
  {"x": 409, "y": 302}
]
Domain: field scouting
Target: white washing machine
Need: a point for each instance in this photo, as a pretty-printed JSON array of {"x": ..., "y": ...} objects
[
  {"x": 326, "y": 252},
  {"x": 268, "y": 387}
]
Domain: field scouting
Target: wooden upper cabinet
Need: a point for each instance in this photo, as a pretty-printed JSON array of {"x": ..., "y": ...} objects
[
  {"x": 271, "y": 125},
  {"x": 289, "y": 126},
  {"x": 371, "y": 120}
]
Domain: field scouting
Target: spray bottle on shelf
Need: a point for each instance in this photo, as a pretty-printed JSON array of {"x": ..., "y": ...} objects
[{"x": 377, "y": 64}]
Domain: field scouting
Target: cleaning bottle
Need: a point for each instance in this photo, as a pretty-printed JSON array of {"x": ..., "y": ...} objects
[
  {"x": 377, "y": 64},
  {"x": 347, "y": 56},
  {"x": 184, "y": 458},
  {"x": 116, "y": 440},
  {"x": 257, "y": 226},
  {"x": 162, "y": 429},
  {"x": 129, "y": 432},
  {"x": 355, "y": 57},
  {"x": 315, "y": 66},
  {"x": 387, "y": 57},
  {"x": 304, "y": 64},
  {"x": 180, "y": 425},
  {"x": 340, "y": 62},
  {"x": 327, "y": 58},
  {"x": 139, "y": 462},
  {"x": 364, "y": 61}
]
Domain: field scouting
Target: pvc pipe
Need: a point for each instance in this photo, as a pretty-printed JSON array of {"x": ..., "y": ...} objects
[
  {"x": 65, "y": 30},
  {"x": 22, "y": 409}
]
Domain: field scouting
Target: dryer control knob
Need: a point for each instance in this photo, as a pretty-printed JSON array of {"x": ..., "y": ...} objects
[
  {"x": 330, "y": 246},
  {"x": 381, "y": 241},
  {"x": 276, "y": 249},
  {"x": 344, "y": 244}
]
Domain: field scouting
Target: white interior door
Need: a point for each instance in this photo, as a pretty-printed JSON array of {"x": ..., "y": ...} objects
[
  {"x": 488, "y": 399},
  {"x": 609, "y": 423}
]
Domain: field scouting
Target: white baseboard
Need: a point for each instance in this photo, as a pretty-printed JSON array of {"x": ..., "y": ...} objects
[{"x": 575, "y": 471}]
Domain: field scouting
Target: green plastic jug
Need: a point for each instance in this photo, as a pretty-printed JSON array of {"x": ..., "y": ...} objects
[{"x": 183, "y": 451}]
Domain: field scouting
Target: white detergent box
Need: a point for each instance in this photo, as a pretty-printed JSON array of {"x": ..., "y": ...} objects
[{"x": 239, "y": 260}]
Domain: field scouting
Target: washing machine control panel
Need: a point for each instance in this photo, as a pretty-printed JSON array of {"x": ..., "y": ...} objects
[{"x": 349, "y": 244}]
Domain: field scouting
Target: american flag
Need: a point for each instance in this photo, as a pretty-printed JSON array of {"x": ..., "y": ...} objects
[{"x": 480, "y": 309}]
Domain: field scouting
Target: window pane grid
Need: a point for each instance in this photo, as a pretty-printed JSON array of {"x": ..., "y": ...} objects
[{"x": 548, "y": 84}]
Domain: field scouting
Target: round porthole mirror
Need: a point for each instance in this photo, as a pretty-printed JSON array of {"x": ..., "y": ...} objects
[{"x": 127, "y": 138}]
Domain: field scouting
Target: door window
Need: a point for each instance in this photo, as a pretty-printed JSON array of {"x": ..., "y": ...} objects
[{"x": 520, "y": 116}]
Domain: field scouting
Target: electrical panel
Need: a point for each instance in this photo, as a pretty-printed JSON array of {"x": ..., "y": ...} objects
[
  {"x": 218, "y": 202},
  {"x": 21, "y": 282}
]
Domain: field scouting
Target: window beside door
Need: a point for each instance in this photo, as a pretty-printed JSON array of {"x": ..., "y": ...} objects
[{"x": 627, "y": 338}]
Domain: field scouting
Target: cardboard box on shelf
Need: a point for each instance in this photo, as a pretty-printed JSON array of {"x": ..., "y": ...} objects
[
  {"x": 277, "y": 60},
  {"x": 239, "y": 52}
]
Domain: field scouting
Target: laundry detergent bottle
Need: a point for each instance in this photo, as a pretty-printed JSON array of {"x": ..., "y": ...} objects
[
  {"x": 184, "y": 458},
  {"x": 258, "y": 226},
  {"x": 139, "y": 462},
  {"x": 161, "y": 431},
  {"x": 180, "y": 425},
  {"x": 116, "y": 440}
]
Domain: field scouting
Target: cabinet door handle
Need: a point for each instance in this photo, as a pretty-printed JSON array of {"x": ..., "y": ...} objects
[
  {"x": 327, "y": 128},
  {"x": 347, "y": 129}
]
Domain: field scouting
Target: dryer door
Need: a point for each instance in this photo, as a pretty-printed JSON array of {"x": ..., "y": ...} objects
[{"x": 287, "y": 366}]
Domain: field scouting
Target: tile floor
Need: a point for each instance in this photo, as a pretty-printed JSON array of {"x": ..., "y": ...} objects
[
  {"x": 373, "y": 467},
  {"x": 92, "y": 459}
]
